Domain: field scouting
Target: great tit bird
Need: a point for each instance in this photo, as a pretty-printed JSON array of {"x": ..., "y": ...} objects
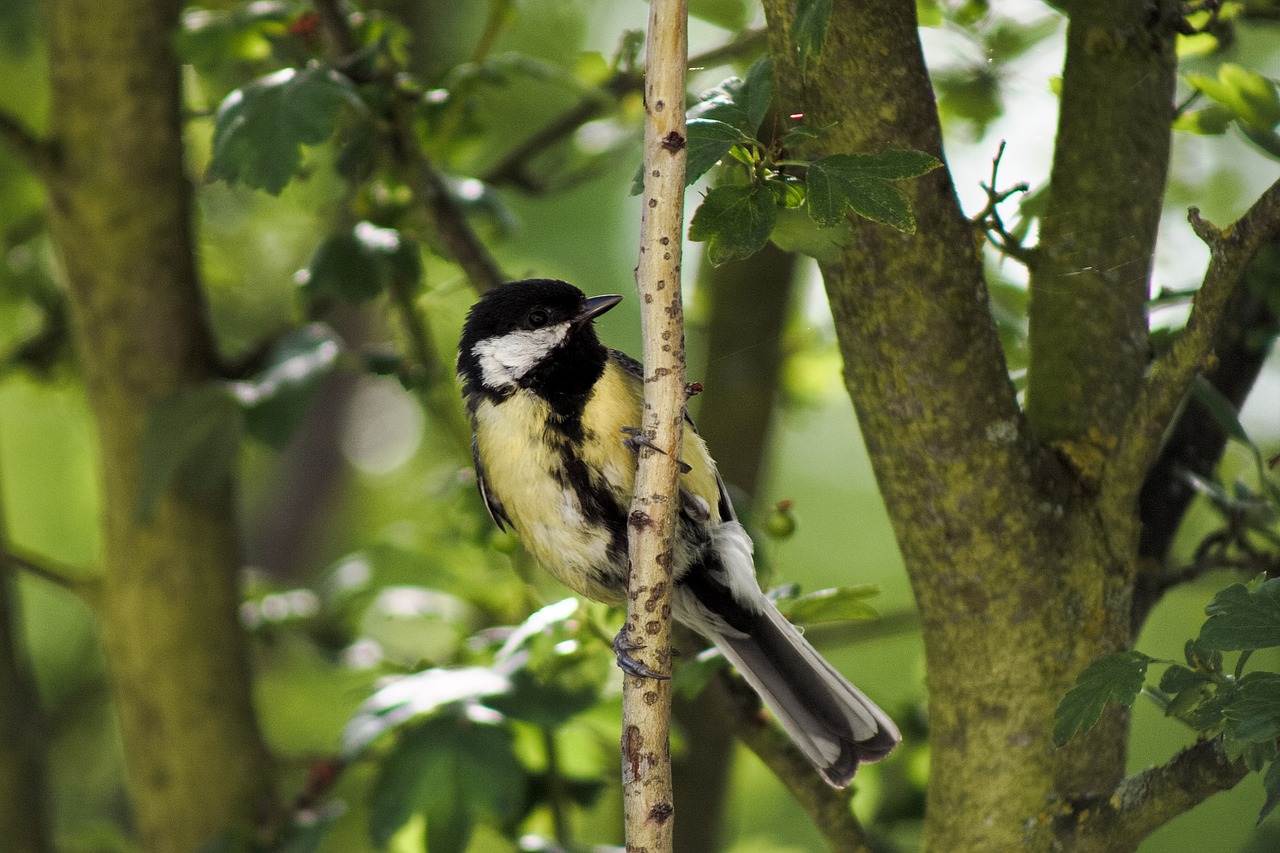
[{"x": 551, "y": 410}]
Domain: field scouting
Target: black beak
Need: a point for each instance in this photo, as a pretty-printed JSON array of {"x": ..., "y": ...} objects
[{"x": 595, "y": 306}]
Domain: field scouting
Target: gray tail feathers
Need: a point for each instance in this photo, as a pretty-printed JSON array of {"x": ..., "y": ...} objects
[{"x": 832, "y": 722}]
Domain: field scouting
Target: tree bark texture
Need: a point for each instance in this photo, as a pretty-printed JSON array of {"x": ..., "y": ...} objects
[
  {"x": 1020, "y": 581},
  {"x": 121, "y": 208}
]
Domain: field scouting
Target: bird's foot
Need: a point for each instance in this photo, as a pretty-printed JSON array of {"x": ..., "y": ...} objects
[
  {"x": 636, "y": 439},
  {"x": 623, "y": 645}
]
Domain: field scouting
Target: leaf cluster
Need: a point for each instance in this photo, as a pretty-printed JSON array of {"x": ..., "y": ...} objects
[
  {"x": 1237, "y": 98},
  {"x": 764, "y": 193},
  {"x": 1241, "y": 708}
]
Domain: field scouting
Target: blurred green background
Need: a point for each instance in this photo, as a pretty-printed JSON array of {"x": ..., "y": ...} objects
[{"x": 373, "y": 495}]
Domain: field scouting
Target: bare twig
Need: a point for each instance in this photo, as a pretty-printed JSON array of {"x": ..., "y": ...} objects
[
  {"x": 646, "y": 705},
  {"x": 988, "y": 219}
]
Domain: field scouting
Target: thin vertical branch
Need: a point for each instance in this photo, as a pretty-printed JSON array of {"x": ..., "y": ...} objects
[{"x": 646, "y": 706}]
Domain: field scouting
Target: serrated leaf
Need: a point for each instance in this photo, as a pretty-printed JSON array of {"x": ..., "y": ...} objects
[
  {"x": 809, "y": 29},
  {"x": 1253, "y": 714},
  {"x": 1116, "y": 677},
  {"x": 1240, "y": 618},
  {"x": 735, "y": 221},
  {"x": 259, "y": 129},
  {"x": 858, "y": 181},
  {"x": 276, "y": 400},
  {"x": 190, "y": 438},
  {"x": 1270, "y": 784},
  {"x": 842, "y": 604},
  {"x": 707, "y": 141}
]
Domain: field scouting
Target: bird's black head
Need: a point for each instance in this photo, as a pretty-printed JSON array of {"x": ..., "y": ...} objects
[{"x": 535, "y": 334}]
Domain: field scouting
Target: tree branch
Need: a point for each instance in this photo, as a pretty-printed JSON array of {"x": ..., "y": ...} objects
[
  {"x": 512, "y": 167},
  {"x": 646, "y": 702},
  {"x": 1146, "y": 801},
  {"x": 39, "y": 154},
  {"x": 828, "y": 808},
  {"x": 1167, "y": 381},
  {"x": 24, "y": 796},
  {"x": 445, "y": 219},
  {"x": 1196, "y": 442}
]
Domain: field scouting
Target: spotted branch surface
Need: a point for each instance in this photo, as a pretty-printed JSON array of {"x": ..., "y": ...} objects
[{"x": 646, "y": 711}]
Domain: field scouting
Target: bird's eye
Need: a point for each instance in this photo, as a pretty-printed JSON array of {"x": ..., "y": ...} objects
[{"x": 537, "y": 318}]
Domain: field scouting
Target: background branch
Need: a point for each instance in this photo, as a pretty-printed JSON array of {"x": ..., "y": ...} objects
[
  {"x": 1146, "y": 801},
  {"x": 445, "y": 220},
  {"x": 828, "y": 808},
  {"x": 1168, "y": 379},
  {"x": 38, "y": 153}
]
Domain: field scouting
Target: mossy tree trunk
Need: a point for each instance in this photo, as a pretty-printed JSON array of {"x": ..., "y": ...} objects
[
  {"x": 1021, "y": 566},
  {"x": 121, "y": 207}
]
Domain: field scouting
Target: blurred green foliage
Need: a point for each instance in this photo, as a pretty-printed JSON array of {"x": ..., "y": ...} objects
[{"x": 409, "y": 694}]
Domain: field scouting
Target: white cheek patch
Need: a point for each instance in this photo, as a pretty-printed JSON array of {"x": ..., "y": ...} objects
[{"x": 506, "y": 359}]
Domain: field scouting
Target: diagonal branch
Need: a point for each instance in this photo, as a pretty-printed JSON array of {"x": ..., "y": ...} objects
[
  {"x": 827, "y": 807},
  {"x": 512, "y": 167},
  {"x": 445, "y": 219},
  {"x": 1146, "y": 801},
  {"x": 38, "y": 153},
  {"x": 1167, "y": 381}
]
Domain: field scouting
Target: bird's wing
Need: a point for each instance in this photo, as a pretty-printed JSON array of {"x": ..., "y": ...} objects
[
  {"x": 496, "y": 511},
  {"x": 636, "y": 369}
]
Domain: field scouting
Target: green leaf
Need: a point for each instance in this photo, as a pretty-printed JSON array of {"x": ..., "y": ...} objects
[
  {"x": 708, "y": 140},
  {"x": 1270, "y": 784},
  {"x": 422, "y": 694},
  {"x": 692, "y": 676},
  {"x": 809, "y": 29},
  {"x": 1253, "y": 714},
  {"x": 1220, "y": 409},
  {"x": 455, "y": 770},
  {"x": 1248, "y": 95},
  {"x": 1213, "y": 120},
  {"x": 276, "y": 400},
  {"x": 190, "y": 439},
  {"x": 741, "y": 103},
  {"x": 1243, "y": 618},
  {"x": 858, "y": 181},
  {"x": 735, "y": 221},
  {"x": 1267, "y": 141},
  {"x": 259, "y": 129},
  {"x": 1118, "y": 676},
  {"x": 756, "y": 94},
  {"x": 843, "y": 604},
  {"x": 358, "y": 265},
  {"x": 1178, "y": 678}
]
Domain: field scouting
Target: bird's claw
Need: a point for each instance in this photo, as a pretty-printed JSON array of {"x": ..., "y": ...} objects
[
  {"x": 622, "y": 646},
  {"x": 636, "y": 439}
]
